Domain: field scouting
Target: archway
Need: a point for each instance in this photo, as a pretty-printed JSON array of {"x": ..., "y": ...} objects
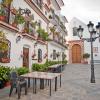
[{"x": 76, "y": 53}]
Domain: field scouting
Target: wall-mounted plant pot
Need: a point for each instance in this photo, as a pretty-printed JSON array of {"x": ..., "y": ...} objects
[
  {"x": 2, "y": 18},
  {"x": 7, "y": 84},
  {"x": 14, "y": 25},
  {"x": 5, "y": 60}
]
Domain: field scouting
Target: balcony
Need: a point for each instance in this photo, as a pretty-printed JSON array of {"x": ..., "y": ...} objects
[
  {"x": 28, "y": 31},
  {"x": 7, "y": 17},
  {"x": 58, "y": 41},
  {"x": 55, "y": 20},
  {"x": 37, "y": 7}
]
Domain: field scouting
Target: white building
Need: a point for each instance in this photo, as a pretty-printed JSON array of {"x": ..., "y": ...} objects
[
  {"x": 25, "y": 45},
  {"x": 57, "y": 43},
  {"x": 78, "y": 47}
]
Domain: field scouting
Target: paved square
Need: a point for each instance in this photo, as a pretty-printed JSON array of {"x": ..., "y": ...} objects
[{"x": 75, "y": 86}]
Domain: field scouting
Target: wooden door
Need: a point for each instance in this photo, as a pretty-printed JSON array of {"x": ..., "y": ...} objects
[
  {"x": 76, "y": 54},
  {"x": 25, "y": 57}
]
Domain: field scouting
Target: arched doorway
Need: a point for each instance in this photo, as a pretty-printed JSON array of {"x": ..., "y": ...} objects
[{"x": 76, "y": 53}]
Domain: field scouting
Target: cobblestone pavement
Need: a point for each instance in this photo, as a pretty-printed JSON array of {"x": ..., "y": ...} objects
[{"x": 75, "y": 86}]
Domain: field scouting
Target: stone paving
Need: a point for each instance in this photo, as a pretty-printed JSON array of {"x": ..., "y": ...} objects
[{"x": 75, "y": 86}]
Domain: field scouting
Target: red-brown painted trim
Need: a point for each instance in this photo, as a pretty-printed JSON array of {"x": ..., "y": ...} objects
[
  {"x": 41, "y": 42},
  {"x": 37, "y": 10},
  {"x": 29, "y": 36},
  {"x": 8, "y": 26}
]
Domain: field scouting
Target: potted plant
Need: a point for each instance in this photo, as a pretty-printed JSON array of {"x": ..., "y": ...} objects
[
  {"x": 2, "y": 14},
  {"x": 85, "y": 57},
  {"x": 13, "y": 10},
  {"x": 42, "y": 34},
  {"x": 19, "y": 19},
  {"x": 50, "y": 17},
  {"x": 4, "y": 76},
  {"x": 34, "y": 24}
]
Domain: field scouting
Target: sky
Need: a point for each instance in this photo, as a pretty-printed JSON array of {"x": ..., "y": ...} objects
[{"x": 85, "y": 10}]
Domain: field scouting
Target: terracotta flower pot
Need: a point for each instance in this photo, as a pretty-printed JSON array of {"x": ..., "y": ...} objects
[
  {"x": 14, "y": 25},
  {"x": 5, "y": 60},
  {"x": 7, "y": 84},
  {"x": 2, "y": 18}
]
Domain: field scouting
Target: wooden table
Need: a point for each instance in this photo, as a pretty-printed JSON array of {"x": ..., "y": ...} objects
[{"x": 42, "y": 75}]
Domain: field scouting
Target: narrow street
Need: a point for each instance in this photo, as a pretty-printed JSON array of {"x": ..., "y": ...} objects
[{"x": 75, "y": 86}]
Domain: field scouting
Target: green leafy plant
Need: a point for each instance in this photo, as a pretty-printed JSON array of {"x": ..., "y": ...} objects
[
  {"x": 39, "y": 67},
  {"x": 50, "y": 17},
  {"x": 86, "y": 55},
  {"x": 42, "y": 34},
  {"x": 4, "y": 73},
  {"x": 2, "y": 12},
  {"x": 22, "y": 70},
  {"x": 19, "y": 19},
  {"x": 52, "y": 29},
  {"x": 34, "y": 24}
]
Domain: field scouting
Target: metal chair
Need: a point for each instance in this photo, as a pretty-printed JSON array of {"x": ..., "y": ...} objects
[{"x": 17, "y": 82}]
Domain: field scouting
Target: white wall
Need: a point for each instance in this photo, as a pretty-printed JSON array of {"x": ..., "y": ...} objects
[{"x": 87, "y": 47}]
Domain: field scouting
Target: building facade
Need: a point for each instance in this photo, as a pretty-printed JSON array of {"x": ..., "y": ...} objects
[
  {"x": 24, "y": 28},
  {"x": 77, "y": 47}
]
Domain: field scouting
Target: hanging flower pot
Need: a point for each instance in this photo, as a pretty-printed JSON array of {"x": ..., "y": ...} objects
[
  {"x": 13, "y": 10},
  {"x": 5, "y": 60},
  {"x": 14, "y": 24},
  {"x": 2, "y": 15}
]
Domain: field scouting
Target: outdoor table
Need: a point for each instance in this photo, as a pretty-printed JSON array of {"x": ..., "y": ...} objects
[{"x": 42, "y": 75}]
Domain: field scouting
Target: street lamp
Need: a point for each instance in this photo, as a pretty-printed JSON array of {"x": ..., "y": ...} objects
[{"x": 91, "y": 39}]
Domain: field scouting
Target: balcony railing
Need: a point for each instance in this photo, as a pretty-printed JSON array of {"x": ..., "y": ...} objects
[
  {"x": 7, "y": 17},
  {"x": 60, "y": 41}
]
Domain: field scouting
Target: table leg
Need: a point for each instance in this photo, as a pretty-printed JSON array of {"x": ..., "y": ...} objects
[
  {"x": 41, "y": 83},
  {"x": 35, "y": 85},
  {"x": 50, "y": 87},
  {"x": 60, "y": 80},
  {"x": 56, "y": 84},
  {"x": 28, "y": 82}
]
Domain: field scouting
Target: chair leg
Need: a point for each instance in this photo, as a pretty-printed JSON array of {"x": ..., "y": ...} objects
[
  {"x": 16, "y": 90},
  {"x": 26, "y": 90},
  {"x": 19, "y": 92},
  {"x": 11, "y": 89}
]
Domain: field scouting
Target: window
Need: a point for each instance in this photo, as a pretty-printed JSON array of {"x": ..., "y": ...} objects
[
  {"x": 95, "y": 49},
  {"x": 39, "y": 23},
  {"x": 75, "y": 31},
  {"x": 39, "y": 55},
  {"x": 5, "y": 51},
  {"x": 38, "y": 2},
  {"x": 54, "y": 54}
]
